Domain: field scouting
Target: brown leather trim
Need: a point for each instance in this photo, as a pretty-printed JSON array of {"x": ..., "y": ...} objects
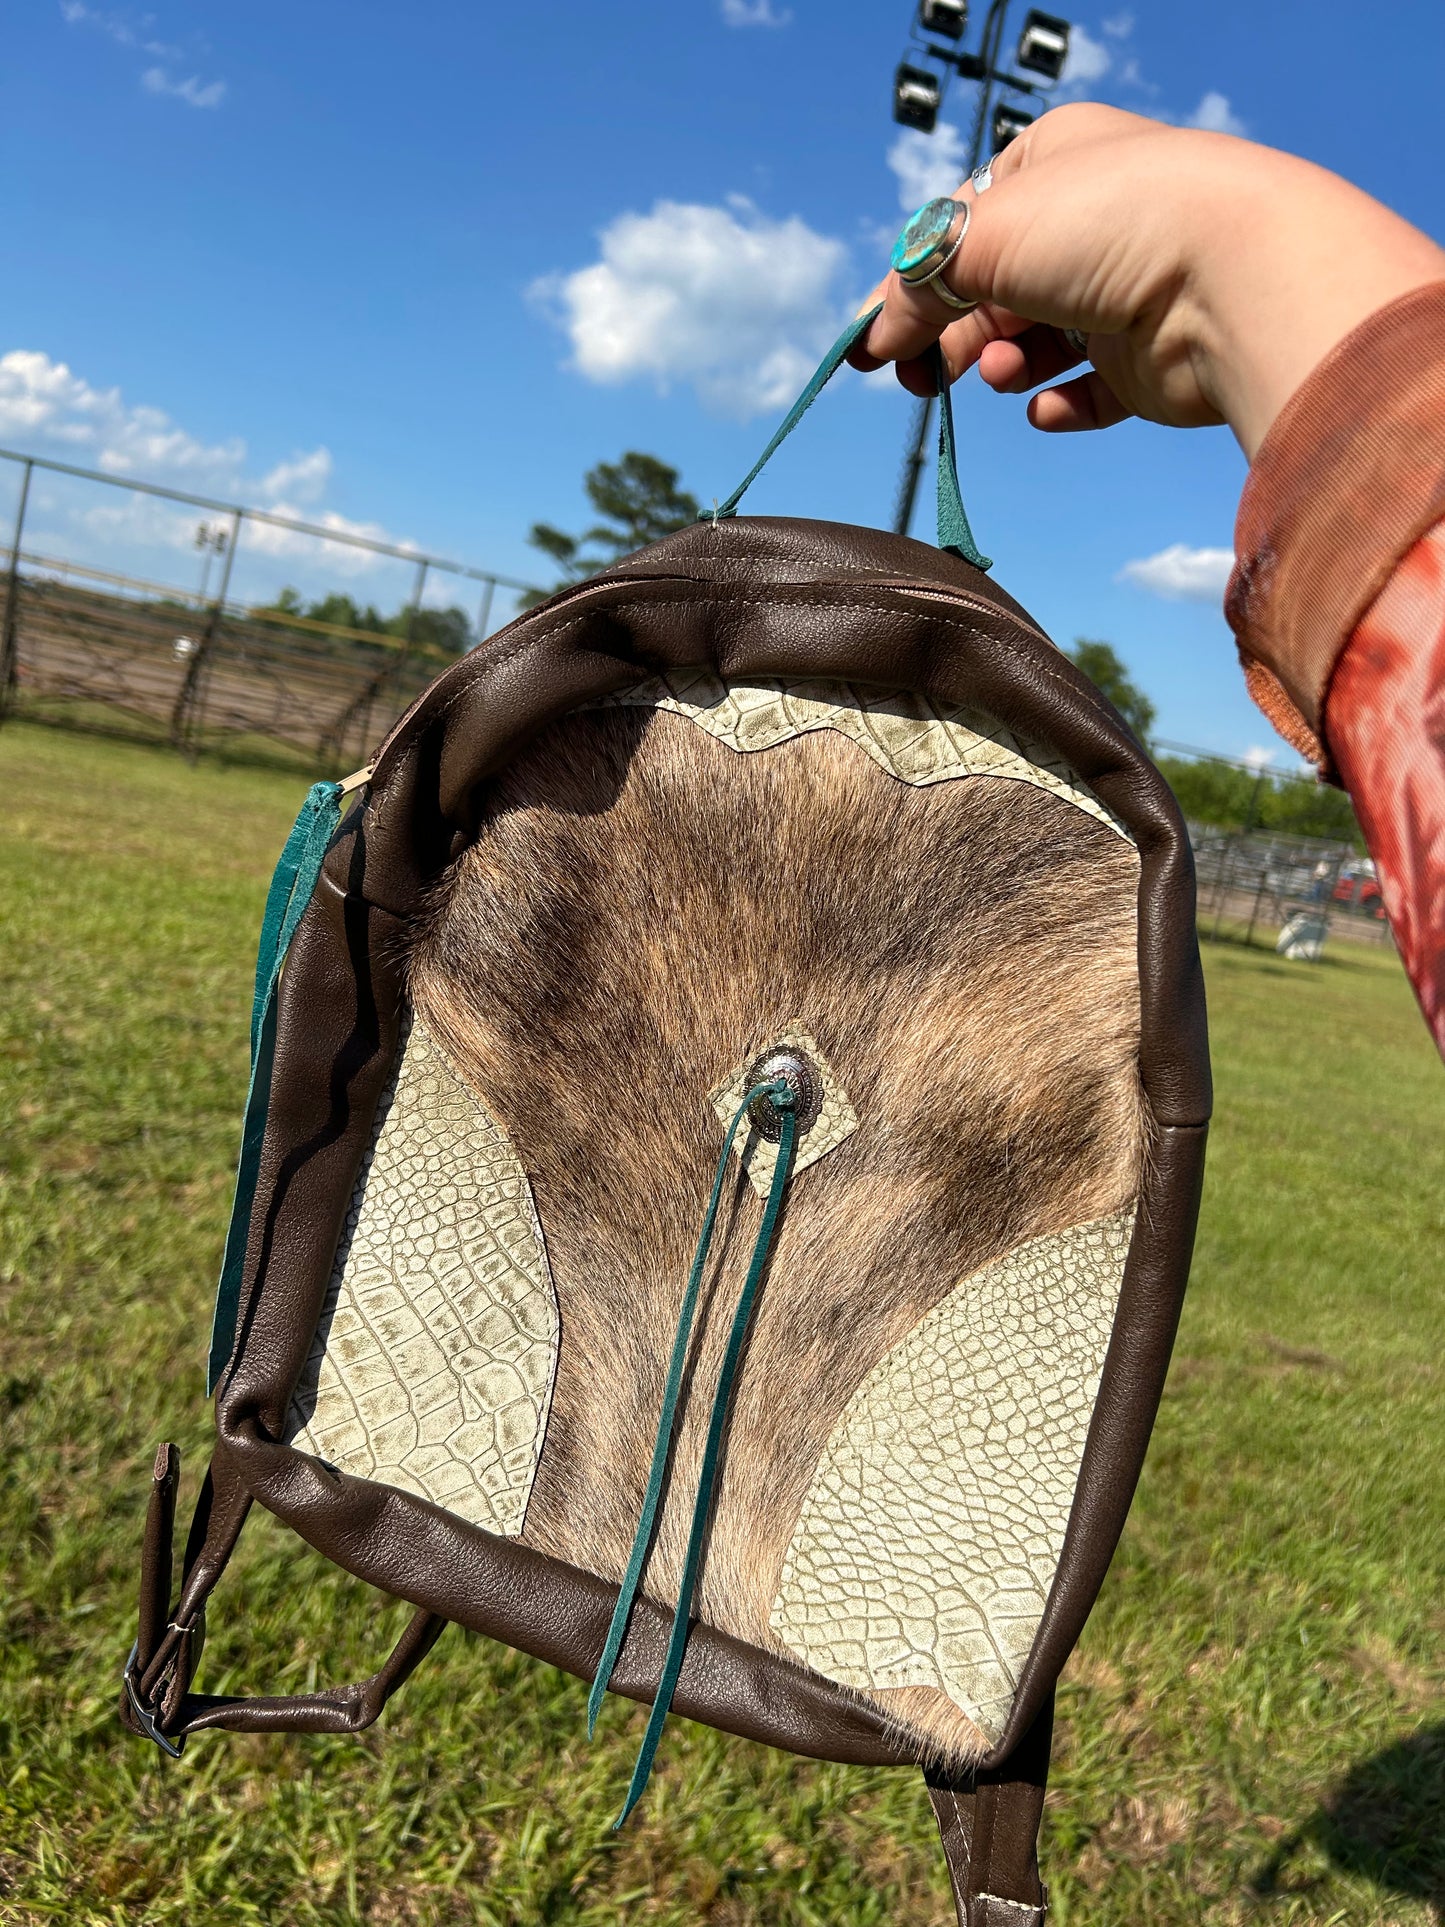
[
  {"x": 953, "y": 1808},
  {"x": 992, "y": 1910},
  {"x": 935, "y": 625},
  {"x": 335, "y": 1709},
  {"x": 554, "y": 1611},
  {"x": 157, "y": 1701},
  {"x": 1345, "y": 483},
  {"x": 1130, "y": 1387},
  {"x": 156, "y": 1564},
  {"x": 164, "y": 1674}
]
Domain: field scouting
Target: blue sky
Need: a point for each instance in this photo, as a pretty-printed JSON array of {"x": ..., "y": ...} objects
[{"x": 418, "y": 268}]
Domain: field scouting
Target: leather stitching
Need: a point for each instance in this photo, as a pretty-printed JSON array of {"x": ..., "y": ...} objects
[{"x": 482, "y": 671}]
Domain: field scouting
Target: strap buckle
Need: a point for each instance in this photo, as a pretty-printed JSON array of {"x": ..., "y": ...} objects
[{"x": 144, "y": 1717}]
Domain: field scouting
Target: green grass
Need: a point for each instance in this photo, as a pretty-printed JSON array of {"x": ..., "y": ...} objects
[{"x": 1253, "y": 1730}]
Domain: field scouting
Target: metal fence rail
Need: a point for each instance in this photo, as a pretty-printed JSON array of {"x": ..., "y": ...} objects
[
  {"x": 1262, "y": 885},
  {"x": 105, "y": 649}
]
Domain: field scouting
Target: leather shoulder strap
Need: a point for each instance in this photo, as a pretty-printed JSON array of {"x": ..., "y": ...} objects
[
  {"x": 157, "y": 1700},
  {"x": 989, "y": 1825}
]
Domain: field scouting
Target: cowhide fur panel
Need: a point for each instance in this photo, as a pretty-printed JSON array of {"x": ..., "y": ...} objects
[{"x": 644, "y": 908}]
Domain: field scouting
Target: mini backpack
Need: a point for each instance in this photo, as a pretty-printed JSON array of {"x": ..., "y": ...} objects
[{"x": 720, "y": 1168}]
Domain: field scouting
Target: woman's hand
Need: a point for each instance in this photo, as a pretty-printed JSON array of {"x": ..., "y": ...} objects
[{"x": 1209, "y": 275}]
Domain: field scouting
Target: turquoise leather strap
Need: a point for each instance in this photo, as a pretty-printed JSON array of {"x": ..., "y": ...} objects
[
  {"x": 954, "y": 534},
  {"x": 290, "y": 892}
]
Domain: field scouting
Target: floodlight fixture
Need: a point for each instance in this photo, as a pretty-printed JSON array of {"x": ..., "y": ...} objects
[
  {"x": 945, "y": 17},
  {"x": 1008, "y": 124},
  {"x": 1043, "y": 45},
  {"x": 917, "y": 94}
]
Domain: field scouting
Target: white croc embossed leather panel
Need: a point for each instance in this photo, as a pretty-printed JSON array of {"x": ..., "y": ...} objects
[
  {"x": 929, "y": 1538},
  {"x": 836, "y": 1118},
  {"x": 433, "y": 1363},
  {"x": 913, "y": 738}
]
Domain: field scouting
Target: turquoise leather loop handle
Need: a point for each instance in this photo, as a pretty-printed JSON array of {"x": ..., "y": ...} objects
[{"x": 954, "y": 534}]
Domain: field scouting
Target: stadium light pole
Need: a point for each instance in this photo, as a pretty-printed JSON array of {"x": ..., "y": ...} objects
[
  {"x": 210, "y": 541},
  {"x": 918, "y": 96}
]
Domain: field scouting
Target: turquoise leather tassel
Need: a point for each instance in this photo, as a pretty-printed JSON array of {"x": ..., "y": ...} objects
[{"x": 783, "y": 1102}]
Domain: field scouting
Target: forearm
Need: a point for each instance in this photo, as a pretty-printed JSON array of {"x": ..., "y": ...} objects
[{"x": 1284, "y": 260}]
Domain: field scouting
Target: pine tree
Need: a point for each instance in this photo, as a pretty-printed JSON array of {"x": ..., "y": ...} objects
[{"x": 640, "y": 501}]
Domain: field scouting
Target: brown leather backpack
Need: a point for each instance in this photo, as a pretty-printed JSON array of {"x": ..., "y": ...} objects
[{"x": 786, "y": 879}]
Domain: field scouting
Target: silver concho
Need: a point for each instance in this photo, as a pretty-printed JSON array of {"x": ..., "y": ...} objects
[{"x": 801, "y": 1076}]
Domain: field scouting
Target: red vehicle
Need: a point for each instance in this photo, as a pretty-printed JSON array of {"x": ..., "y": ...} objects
[{"x": 1358, "y": 887}]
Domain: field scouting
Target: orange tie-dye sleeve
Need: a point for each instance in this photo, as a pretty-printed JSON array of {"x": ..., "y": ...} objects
[
  {"x": 1338, "y": 602},
  {"x": 1385, "y": 721}
]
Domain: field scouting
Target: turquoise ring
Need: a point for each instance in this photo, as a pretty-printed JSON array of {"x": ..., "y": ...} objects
[
  {"x": 926, "y": 246},
  {"x": 929, "y": 241}
]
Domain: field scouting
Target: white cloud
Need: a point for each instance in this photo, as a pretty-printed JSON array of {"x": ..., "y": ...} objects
[
  {"x": 44, "y": 400},
  {"x": 1089, "y": 59},
  {"x": 265, "y": 538},
  {"x": 156, "y": 80},
  {"x": 754, "y": 13},
  {"x": 1181, "y": 574},
  {"x": 304, "y": 476},
  {"x": 1092, "y": 61},
  {"x": 134, "y": 34},
  {"x": 1215, "y": 116},
  {"x": 45, "y": 405},
  {"x": 927, "y": 165},
  {"x": 123, "y": 523},
  {"x": 736, "y": 304},
  {"x": 1257, "y": 757},
  {"x": 116, "y": 27},
  {"x": 119, "y": 522}
]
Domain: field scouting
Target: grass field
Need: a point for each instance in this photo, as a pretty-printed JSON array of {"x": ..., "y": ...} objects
[{"x": 1253, "y": 1730}]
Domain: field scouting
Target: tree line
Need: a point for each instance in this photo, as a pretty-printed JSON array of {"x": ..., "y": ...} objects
[
  {"x": 1224, "y": 797},
  {"x": 448, "y": 631}
]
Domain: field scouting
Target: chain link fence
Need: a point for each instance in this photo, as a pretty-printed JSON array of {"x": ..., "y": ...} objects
[
  {"x": 110, "y": 649},
  {"x": 1289, "y": 892},
  {"x": 1278, "y": 855}
]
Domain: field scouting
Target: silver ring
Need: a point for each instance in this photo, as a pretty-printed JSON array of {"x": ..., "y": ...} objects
[
  {"x": 982, "y": 177},
  {"x": 946, "y": 295},
  {"x": 934, "y": 281},
  {"x": 1077, "y": 340}
]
